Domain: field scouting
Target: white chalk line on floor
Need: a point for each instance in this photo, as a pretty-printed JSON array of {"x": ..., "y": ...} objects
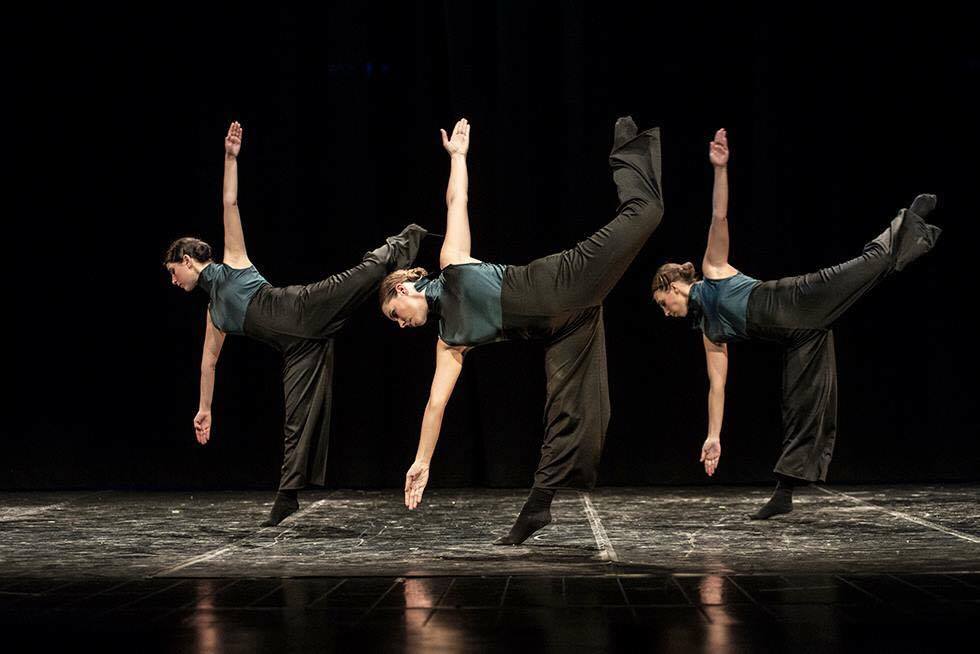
[
  {"x": 11, "y": 515},
  {"x": 606, "y": 550},
  {"x": 207, "y": 556},
  {"x": 905, "y": 516}
]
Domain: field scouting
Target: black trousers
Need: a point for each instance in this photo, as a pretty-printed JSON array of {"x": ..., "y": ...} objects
[
  {"x": 300, "y": 322},
  {"x": 799, "y": 312},
  {"x": 559, "y": 299}
]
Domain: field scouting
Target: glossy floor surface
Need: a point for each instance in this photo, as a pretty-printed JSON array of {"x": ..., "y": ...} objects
[{"x": 641, "y": 569}]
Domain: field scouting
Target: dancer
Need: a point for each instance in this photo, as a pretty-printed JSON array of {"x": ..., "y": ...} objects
[
  {"x": 298, "y": 321},
  {"x": 797, "y": 312},
  {"x": 557, "y": 299}
]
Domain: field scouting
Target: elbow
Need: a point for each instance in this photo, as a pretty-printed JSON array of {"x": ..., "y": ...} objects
[
  {"x": 719, "y": 217},
  {"x": 456, "y": 197},
  {"x": 208, "y": 364},
  {"x": 436, "y": 405},
  {"x": 229, "y": 202}
]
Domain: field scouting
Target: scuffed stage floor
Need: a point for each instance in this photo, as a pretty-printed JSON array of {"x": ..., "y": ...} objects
[{"x": 681, "y": 569}]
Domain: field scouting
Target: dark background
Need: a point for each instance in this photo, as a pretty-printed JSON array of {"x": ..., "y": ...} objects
[{"x": 835, "y": 120}]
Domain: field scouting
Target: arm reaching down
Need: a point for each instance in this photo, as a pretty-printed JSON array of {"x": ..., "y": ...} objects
[
  {"x": 716, "y": 358},
  {"x": 213, "y": 340},
  {"x": 449, "y": 363}
]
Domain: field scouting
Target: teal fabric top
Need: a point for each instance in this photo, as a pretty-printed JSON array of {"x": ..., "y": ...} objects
[
  {"x": 718, "y": 307},
  {"x": 466, "y": 299},
  {"x": 230, "y": 290}
]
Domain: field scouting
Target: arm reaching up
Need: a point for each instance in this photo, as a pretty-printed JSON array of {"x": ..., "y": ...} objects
[
  {"x": 456, "y": 246},
  {"x": 715, "y": 264},
  {"x": 235, "y": 254}
]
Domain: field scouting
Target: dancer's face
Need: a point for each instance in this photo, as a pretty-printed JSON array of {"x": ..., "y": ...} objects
[
  {"x": 408, "y": 308},
  {"x": 672, "y": 301},
  {"x": 182, "y": 274}
]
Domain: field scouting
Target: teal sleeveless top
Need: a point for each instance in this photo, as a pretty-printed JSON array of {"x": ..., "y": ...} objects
[
  {"x": 466, "y": 299},
  {"x": 230, "y": 290},
  {"x": 718, "y": 307}
]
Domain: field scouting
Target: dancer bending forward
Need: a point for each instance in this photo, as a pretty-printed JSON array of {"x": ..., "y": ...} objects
[
  {"x": 298, "y": 321},
  {"x": 557, "y": 299},
  {"x": 797, "y": 312}
]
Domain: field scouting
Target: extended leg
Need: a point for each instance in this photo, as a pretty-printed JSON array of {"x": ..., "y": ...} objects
[
  {"x": 817, "y": 300},
  {"x": 582, "y": 276},
  {"x": 324, "y": 306}
]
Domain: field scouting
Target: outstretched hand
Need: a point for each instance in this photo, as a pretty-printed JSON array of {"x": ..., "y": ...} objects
[
  {"x": 710, "y": 453},
  {"x": 415, "y": 480},
  {"x": 459, "y": 143},
  {"x": 233, "y": 141},
  {"x": 202, "y": 426},
  {"x": 718, "y": 149}
]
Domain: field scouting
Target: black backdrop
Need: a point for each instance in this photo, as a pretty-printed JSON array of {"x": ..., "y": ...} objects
[{"x": 836, "y": 120}]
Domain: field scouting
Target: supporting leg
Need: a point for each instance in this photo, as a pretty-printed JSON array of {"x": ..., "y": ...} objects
[{"x": 307, "y": 386}]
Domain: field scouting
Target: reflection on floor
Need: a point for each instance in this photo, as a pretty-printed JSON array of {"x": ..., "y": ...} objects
[{"x": 676, "y": 569}]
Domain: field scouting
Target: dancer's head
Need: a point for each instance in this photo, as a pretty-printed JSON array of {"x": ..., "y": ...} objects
[
  {"x": 672, "y": 287},
  {"x": 400, "y": 301},
  {"x": 184, "y": 260}
]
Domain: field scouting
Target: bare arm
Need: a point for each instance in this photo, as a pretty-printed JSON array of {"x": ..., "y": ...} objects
[
  {"x": 716, "y": 357},
  {"x": 449, "y": 363},
  {"x": 456, "y": 246},
  {"x": 213, "y": 340},
  {"x": 235, "y": 254},
  {"x": 715, "y": 264}
]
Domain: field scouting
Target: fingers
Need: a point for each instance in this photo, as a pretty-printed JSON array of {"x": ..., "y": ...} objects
[
  {"x": 409, "y": 483},
  {"x": 413, "y": 491},
  {"x": 416, "y": 496}
]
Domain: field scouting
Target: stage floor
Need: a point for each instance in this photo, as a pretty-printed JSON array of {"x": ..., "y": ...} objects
[{"x": 681, "y": 569}]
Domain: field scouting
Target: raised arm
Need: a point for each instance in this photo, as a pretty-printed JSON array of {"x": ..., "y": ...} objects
[
  {"x": 235, "y": 255},
  {"x": 213, "y": 340},
  {"x": 715, "y": 264},
  {"x": 449, "y": 363},
  {"x": 456, "y": 245},
  {"x": 716, "y": 357}
]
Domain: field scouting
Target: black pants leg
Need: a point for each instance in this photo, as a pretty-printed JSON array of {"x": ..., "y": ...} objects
[
  {"x": 582, "y": 276},
  {"x": 817, "y": 300},
  {"x": 559, "y": 298},
  {"x": 323, "y": 307},
  {"x": 307, "y": 375},
  {"x": 576, "y": 411},
  {"x": 809, "y": 405},
  {"x": 299, "y": 321},
  {"x": 799, "y": 313}
]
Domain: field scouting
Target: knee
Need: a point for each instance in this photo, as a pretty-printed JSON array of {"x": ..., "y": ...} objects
[
  {"x": 648, "y": 211},
  {"x": 653, "y": 212}
]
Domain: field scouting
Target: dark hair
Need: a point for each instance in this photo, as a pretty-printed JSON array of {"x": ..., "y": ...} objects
[
  {"x": 388, "y": 284},
  {"x": 674, "y": 272},
  {"x": 195, "y": 248}
]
